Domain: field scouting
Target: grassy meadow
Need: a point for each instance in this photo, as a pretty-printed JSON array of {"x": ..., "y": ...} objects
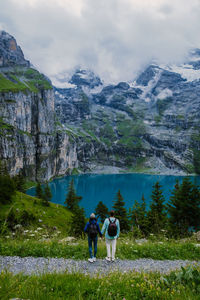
[{"x": 184, "y": 285}]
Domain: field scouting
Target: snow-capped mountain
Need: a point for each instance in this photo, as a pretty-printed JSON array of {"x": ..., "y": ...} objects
[{"x": 150, "y": 123}]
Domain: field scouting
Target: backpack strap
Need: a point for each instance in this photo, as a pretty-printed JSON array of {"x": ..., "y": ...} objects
[{"x": 111, "y": 221}]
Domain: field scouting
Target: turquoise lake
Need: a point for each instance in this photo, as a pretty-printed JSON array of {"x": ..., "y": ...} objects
[{"x": 94, "y": 188}]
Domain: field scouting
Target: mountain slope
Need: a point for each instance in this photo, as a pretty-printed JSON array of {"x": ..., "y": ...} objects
[
  {"x": 29, "y": 137},
  {"x": 151, "y": 124}
]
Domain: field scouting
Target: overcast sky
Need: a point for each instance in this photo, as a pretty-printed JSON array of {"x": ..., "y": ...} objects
[{"x": 114, "y": 38}]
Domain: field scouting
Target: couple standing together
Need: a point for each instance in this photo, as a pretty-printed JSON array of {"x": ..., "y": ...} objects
[{"x": 110, "y": 227}]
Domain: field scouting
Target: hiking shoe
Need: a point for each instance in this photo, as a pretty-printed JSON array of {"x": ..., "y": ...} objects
[
  {"x": 113, "y": 259},
  {"x": 108, "y": 259},
  {"x": 94, "y": 259},
  {"x": 90, "y": 260}
]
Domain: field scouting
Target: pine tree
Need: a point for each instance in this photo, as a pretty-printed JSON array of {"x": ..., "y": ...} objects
[
  {"x": 3, "y": 169},
  {"x": 47, "y": 195},
  {"x": 139, "y": 216},
  {"x": 7, "y": 184},
  {"x": 72, "y": 199},
  {"x": 184, "y": 208},
  {"x": 39, "y": 191},
  {"x": 101, "y": 211},
  {"x": 19, "y": 182},
  {"x": 7, "y": 189},
  {"x": 77, "y": 221},
  {"x": 120, "y": 212},
  {"x": 157, "y": 215}
]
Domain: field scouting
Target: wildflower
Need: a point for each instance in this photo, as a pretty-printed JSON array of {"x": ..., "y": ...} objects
[
  {"x": 17, "y": 226},
  {"x": 32, "y": 234}
]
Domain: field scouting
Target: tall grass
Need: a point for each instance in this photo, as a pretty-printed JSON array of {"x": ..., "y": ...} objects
[
  {"x": 126, "y": 249},
  {"x": 113, "y": 286}
]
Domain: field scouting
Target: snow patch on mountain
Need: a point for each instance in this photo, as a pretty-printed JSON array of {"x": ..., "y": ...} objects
[
  {"x": 165, "y": 94},
  {"x": 186, "y": 71}
]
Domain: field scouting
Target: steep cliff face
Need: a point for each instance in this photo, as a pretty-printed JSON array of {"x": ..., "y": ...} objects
[
  {"x": 10, "y": 53},
  {"x": 29, "y": 136},
  {"x": 151, "y": 124}
]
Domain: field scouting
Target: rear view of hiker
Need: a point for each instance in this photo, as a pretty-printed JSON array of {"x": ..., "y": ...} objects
[
  {"x": 92, "y": 229},
  {"x": 112, "y": 228}
]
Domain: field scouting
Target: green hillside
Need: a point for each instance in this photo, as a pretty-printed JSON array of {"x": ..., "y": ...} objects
[
  {"x": 23, "y": 79},
  {"x": 26, "y": 212}
]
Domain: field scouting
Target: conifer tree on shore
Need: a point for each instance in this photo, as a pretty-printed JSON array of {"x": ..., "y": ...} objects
[
  {"x": 47, "y": 195},
  {"x": 101, "y": 211},
  {"x": 120, "y": 212},
  {"x": 184, "y": 208},
  {"x": 7, "y": 185},
  {"x": 72, "y": 199},
  {"x": 39, "y": 191},
  {"x": 19, "y": 180},
  {"x": 78, "y": 221},
  {"x": 138, "y": 216},
  {"x": 157, "y": 215}
]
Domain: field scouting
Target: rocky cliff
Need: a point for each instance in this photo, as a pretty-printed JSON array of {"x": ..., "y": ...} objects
[
  {"x": 151, "y": 124},
  {"x": 30, "y": 139}
]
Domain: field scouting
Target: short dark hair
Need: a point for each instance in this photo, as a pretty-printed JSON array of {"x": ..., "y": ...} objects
[{"x": 112, "y": 213}]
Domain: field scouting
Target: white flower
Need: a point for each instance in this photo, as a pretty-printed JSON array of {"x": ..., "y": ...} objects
[
  {"x": 32, "y": 234},
  {"x": 17, "y": 226}
]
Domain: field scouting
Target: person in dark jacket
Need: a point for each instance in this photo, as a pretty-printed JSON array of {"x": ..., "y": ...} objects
[{"x": 92, "y": 229}]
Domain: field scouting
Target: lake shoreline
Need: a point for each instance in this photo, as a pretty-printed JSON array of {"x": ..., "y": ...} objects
[
  {"x": 109, "y": 170},
  {"x": 103, "y": 187}
]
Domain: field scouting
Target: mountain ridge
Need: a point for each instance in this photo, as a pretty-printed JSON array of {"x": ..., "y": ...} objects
[
  {"x": 163, "y": 101},
  {"x": 150, "y": 124}
]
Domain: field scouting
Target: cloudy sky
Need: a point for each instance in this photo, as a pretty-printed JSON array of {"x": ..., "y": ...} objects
[{"x": 115, "y": 38}]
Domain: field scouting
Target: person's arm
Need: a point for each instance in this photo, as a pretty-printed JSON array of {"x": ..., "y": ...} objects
[
  {"x": 118, "y": 229},
  {"x": 86, "y": 227},
  {"x": 99, "y": 231},
  {"x": 104, "y": 226}
]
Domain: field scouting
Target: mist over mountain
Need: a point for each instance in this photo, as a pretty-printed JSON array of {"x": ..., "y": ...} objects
[{"x": 149, "y": 124}]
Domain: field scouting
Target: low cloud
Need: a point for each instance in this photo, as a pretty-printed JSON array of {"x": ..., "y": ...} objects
[{"x": 114, "y": 38}]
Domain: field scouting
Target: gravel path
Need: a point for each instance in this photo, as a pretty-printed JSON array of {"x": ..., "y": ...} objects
[{"x": 32, "y": 265}]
